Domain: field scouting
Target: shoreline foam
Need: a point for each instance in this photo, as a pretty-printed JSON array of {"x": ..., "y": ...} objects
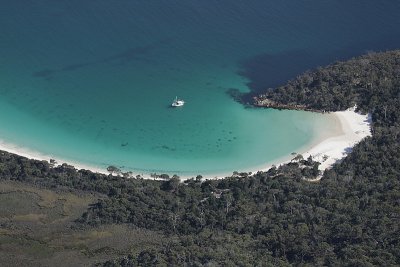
[{"x": 327, "y": 148}]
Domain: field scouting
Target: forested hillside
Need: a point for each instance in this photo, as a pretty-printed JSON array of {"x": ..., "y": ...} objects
[
  {"x": 350, "y": 217},
  {"x": 370, "y": 81}
]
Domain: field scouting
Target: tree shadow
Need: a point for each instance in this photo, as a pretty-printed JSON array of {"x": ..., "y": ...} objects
[{"x": 271, "y": 70}]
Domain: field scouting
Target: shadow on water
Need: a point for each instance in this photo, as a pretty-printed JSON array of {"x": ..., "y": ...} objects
[
  {"x": 132, "y": 54},
  {"x": 271, "y": 70}
]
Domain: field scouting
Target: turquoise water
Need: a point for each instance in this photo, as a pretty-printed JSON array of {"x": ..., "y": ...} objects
[{"x": 92, "y": 81}]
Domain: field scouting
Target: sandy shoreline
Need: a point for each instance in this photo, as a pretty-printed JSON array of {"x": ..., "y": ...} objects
[
  {"x": 22, "y": 151},
  {"x": 330, "y": 148},
  {"x": 327, "y": 148},
  {"x": 355, "y": 127}
]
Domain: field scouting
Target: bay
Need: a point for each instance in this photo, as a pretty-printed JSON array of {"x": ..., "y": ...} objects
[{"x": 92, "y": 81}]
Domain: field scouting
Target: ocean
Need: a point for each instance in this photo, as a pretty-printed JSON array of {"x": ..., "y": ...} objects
[{"x": 92, "y": 81}]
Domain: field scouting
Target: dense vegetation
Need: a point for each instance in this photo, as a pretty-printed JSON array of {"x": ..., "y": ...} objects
[
  {"x": 351, "y": 217},
  {"x": 370, "y": 81}
]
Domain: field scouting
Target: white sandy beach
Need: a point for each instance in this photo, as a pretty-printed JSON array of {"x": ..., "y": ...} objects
[
  {"x": 330, "y": 149},
  {"x": 22, "y": 151},
  {"x": 355, "y": 127},
  {"x": 327, "y": 149}
]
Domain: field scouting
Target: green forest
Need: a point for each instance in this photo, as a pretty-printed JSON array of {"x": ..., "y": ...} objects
[{"x": 351, "y": 217}]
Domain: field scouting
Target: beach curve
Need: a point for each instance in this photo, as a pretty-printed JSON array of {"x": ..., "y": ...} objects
[{"x": 327, "y": 149}]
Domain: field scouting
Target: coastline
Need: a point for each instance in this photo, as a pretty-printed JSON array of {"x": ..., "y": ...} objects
[
  {"x": 331, "y": 148},
  {"x": 327, "y": 148},
  {"x": 355, "y": 128},
  {"x": 30, "y": 154}
]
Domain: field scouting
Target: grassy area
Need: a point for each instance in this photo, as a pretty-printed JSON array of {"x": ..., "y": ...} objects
[{"x": 37, "y": 228}]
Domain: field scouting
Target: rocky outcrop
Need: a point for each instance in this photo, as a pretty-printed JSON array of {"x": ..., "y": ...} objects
[{"x": 264, "y": 101}]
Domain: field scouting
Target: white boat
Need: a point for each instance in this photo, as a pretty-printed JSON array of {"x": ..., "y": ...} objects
[{"x": 178, "y": 102}]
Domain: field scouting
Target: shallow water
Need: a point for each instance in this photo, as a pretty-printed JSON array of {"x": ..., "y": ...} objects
[{"x": 92, "y": 81}]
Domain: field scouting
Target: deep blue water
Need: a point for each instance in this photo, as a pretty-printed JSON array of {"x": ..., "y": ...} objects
[{"x": 91, "y": 81}]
